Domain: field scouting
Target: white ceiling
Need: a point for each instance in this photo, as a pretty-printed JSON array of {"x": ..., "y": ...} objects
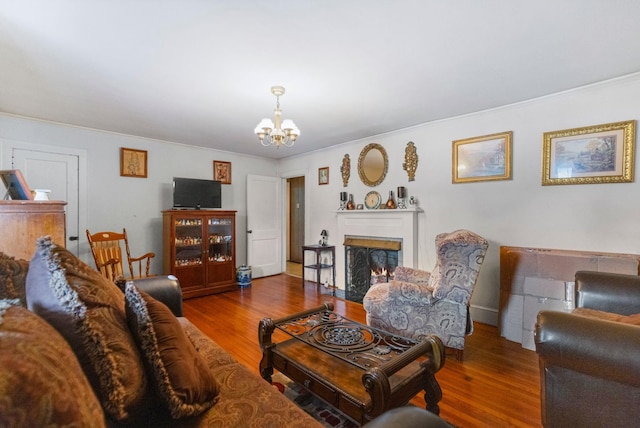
[{"x": 199, "y": 72}]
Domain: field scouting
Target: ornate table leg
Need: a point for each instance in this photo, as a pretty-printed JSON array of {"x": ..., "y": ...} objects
[
  {"x": 265, "y": 330},
  {"x": 432, "y": 394},
  {"x": 432, "y": 390}
]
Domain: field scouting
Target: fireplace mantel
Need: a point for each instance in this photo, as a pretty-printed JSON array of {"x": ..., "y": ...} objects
[{"x": 398, "y": 223}]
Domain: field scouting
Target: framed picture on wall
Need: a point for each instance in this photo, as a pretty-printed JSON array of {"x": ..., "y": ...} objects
[
  {"x": 589, "y": 155},
  {"x": 482, "y": 158},
  {"x": 323, "y": 175},
  {"x": 133, "y": 163},
  {"x": 222, "y": 171}
]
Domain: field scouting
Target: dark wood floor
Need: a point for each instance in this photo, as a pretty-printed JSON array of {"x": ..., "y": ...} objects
[{"x": 497, "y": 384}]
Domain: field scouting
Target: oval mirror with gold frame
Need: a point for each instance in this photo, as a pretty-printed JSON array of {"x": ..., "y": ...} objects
[{"x": 373, "y": 164}]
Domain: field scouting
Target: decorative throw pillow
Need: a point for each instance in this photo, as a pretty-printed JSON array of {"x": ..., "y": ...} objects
[
  {"x": 13, "y": 275},
  {"x": 594, "y": 313},
  {"x": 181, "y": 376},
  {"x": 41, "y": 381},
  {"x": 88, "y": 310},
  {"x": 608, "y": 316},
  {"x": 631, "y": 319}
]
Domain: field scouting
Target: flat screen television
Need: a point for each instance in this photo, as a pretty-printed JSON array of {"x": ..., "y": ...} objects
[{"x": 194, "y": 193}]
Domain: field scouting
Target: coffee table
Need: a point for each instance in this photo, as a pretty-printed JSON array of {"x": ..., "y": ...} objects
[{"x": 359, "y": 370}]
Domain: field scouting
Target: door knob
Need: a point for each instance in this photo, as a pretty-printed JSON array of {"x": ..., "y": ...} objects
[
  {"x": 73, "y": 238},
  {"x": 249, "y": 231}
]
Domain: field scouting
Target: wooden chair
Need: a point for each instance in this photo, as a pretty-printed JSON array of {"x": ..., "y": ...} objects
[{"x": 106, "y": 248}]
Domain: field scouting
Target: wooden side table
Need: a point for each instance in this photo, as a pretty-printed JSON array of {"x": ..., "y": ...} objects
[{"x": 318, "y": 265}]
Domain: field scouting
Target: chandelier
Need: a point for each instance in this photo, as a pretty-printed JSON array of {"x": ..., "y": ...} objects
[{"x": 284, "y": 133}]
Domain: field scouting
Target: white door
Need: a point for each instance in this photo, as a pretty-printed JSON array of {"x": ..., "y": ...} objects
[
  {"x": 56, "y": 172},
  {"x": 264, "y": 225}
]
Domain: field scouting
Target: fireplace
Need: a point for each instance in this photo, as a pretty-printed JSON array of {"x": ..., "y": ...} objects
[
  {"x": 400, "y": 224},
  {"x": 368, "y": 261}
]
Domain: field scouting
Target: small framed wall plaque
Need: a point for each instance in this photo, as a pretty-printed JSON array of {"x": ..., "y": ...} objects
[
  {"x": 133, "y": 163},
  {"x": 222, "y": 171},
  {"x": 323, "y": 175}
]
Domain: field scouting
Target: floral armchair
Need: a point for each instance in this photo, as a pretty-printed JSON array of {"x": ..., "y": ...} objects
[{"x": 419, "y": 303}]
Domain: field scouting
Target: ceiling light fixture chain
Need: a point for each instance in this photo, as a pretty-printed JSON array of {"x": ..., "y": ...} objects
[{"x": 284, "y": 132}]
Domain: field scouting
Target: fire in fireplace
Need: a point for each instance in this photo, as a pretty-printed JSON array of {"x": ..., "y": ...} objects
[{"x": 369, "y": 261}]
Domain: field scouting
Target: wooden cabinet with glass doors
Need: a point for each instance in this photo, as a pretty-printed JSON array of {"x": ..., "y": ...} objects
[{"x": 199, "y": 249}]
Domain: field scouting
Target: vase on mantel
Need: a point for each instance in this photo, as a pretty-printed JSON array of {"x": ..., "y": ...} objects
[
  {"x": 350, "y": 204},
  {"x": 391, "y": 204}
]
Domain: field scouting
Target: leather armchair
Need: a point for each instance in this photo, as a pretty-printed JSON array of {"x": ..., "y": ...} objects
[
  {"x": 165, "y": 288},
  {"x": 609, "y": 292},
  {"x": 590, "y": 367}
]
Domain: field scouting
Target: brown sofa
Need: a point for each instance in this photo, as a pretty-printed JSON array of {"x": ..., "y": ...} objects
[
  {"x": 589, "y": 365},
  {"x": 44, "y": 383},
  {"x": 47, "y": 379}
]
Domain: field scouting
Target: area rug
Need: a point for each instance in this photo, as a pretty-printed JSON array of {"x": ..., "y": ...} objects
[{"x": 318, "y": 409}]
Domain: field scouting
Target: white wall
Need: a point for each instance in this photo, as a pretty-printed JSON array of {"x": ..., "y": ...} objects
[
  {"x": 135, "y": 203},
  {"x": 517, "y": 212}
]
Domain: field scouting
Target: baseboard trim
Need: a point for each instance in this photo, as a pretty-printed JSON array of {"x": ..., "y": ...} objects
[{"x": 484, "y": 315}]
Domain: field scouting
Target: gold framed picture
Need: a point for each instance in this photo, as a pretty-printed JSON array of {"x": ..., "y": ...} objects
[
  {"x": 222, "y": 171},
  {"x": 590, "y": 155},
  {"x": 133, "y": 163},
  {"x": 323, "y": 175},
  {"x": 483, "y": 158}
]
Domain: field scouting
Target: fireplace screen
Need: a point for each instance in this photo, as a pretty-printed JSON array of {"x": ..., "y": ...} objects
[{"x": 367, "y": 262}]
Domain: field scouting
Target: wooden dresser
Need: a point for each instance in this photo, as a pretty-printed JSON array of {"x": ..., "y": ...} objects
[{"x": 22, "y": 222}]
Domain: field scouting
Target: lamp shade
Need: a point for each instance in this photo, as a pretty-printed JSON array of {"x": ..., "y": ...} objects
[
  {"x": 290, "y": 128},
  {"x": 265, "y": 124},
  {"x": 288, "y": 125}
]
